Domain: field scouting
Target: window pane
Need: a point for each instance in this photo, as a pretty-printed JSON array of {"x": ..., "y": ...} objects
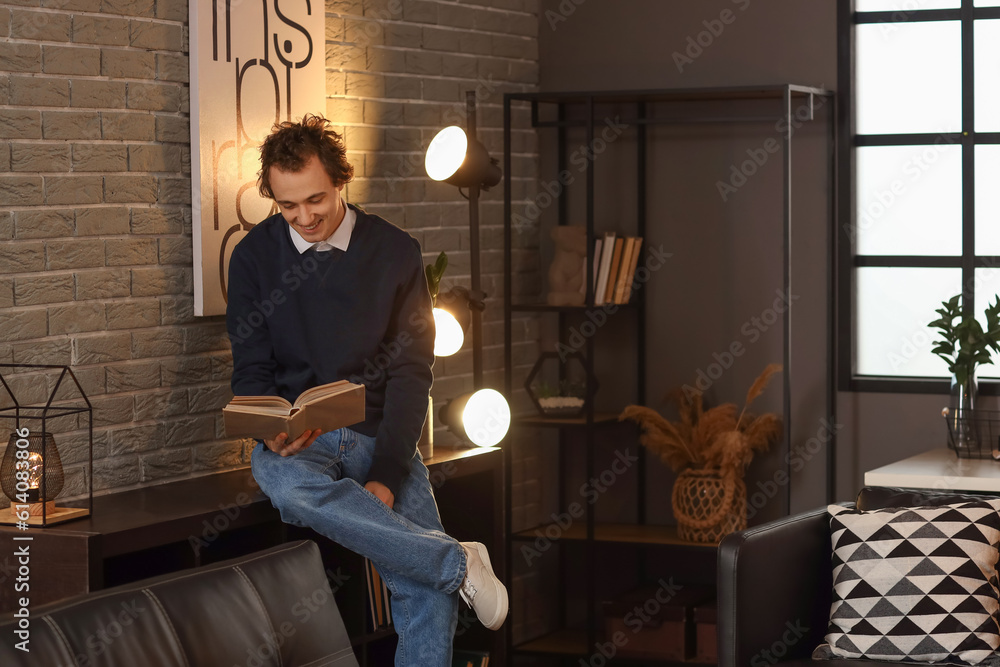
[
  {"x": 894, "y": 306},
  {"x": 987, "y": 200},
  {"x": 986, "y": 3},
  {"x": 902, "y": 85},
  {"x": 909, "y": 200},
  {"x": 987, "y": 75},
  {"x": 987, "y": 288},
  {"x": 904, "y": 8}
]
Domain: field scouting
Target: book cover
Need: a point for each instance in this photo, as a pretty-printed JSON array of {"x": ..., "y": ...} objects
[
  {"x": 616, "y": 258},
  {"x": 378, "y": 598},
  {"x": 372, "y": 611},
  {"x": 623, "y": 270},
  {"x": 633, "y": 264},
  {"x": 327, "y": 407},
  {"x": 607, "y": 251}
]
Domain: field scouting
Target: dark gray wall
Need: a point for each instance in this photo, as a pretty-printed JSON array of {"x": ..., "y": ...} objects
[{"x": 726, "y": 264}]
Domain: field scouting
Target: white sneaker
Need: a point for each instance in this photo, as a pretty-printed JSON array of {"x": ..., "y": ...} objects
[{"x": 481, "y": 589}]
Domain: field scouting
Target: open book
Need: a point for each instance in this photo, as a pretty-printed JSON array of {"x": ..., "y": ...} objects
[{"x": 327, "y": 407}]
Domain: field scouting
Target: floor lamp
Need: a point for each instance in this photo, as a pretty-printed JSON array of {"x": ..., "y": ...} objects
[{"x": 457, "y": 157}]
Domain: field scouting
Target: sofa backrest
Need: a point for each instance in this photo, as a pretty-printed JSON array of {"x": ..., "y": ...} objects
[
  {"x": 273, "y": 607},
  {"x": 882, "y": 497}
]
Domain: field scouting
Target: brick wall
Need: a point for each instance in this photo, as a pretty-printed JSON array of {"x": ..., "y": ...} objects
[{"x": 95, "y": 263}]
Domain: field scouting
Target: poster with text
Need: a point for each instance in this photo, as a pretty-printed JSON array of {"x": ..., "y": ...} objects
[{"x": 254, "y": 63}]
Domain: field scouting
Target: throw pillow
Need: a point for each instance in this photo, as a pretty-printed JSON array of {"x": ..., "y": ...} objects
[{"x": 915, "y": 584}]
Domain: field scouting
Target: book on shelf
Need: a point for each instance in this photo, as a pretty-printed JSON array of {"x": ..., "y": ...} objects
[
  {"x": 470, "y": 659},
  {"x": 616, "y": 259},
  {"x": 378, "y": 598},
  {"x": 327, "y": 407},
  {"x": 633, "y": 265},
  {"x": 607, "y": 252},
  {"x": 623, "y": 270}
]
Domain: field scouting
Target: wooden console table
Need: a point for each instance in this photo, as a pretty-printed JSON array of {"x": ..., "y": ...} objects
[
  {"x": 938, "y": 469},
  {"x": 158, "y": 529}
]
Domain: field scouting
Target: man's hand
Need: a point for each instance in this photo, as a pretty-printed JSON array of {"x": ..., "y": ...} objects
[
  {"x": 281, "y": 445},
  {"x": 381, "y": 491}
]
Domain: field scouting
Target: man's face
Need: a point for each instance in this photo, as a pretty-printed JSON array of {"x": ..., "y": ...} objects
[{"x": 308, "y": 200}]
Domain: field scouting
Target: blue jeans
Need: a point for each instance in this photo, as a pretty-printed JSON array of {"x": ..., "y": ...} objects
[{"x": 322, "y": 487}]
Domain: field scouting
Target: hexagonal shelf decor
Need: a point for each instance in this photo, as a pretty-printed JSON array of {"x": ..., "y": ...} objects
[{"x": 558, "y": 386}]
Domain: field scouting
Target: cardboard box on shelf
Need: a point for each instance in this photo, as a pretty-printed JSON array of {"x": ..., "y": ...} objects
[{"x": 650, "y": 623}]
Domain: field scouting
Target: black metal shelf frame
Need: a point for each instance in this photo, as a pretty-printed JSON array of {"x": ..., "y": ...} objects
[{"x": 644, "y": 103}]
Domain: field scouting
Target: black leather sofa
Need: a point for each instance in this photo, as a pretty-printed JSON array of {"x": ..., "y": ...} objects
[
  {"x": 273, "y": 607},
  {"x": 775, "y": 583}
]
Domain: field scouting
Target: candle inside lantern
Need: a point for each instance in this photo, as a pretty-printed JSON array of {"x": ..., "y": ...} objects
[{"x": 36, "y": 472}]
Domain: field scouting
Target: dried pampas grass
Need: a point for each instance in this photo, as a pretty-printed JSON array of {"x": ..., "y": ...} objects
[{"x": 716, "y": 438}]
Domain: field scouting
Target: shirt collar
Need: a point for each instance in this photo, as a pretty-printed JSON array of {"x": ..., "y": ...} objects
[{"x": 340, "y": 239}]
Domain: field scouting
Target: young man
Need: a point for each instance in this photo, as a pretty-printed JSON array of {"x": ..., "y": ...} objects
[{"x": 338, "y": 288}]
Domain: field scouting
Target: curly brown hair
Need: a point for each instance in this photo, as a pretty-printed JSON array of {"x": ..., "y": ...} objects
[{"x": 290, "y": 145}]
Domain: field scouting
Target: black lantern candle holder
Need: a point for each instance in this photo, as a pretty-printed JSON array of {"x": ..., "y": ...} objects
[
  {"x": 558, "y": 384},
  {"x": 32, "y": 475}
]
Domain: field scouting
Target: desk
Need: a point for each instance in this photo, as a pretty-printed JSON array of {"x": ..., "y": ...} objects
[{"x": 938, "y": 469}]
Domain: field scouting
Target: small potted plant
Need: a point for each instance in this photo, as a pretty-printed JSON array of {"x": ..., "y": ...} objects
[
  {"x": 565, "y": 397},
  {"x": 964, "y": 344}
]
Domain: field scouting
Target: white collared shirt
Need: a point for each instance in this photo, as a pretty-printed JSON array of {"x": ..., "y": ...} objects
[{"x": 340, "y": 239}]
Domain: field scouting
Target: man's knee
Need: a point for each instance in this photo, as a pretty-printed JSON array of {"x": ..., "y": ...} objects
[{"x": 264, "y": 466}]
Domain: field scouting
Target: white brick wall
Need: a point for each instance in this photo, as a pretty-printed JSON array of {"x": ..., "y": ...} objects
[{"x": 95, "y": 219}]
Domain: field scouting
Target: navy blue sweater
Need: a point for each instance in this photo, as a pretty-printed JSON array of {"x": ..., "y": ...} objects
[{"x": 297, "y": 321}]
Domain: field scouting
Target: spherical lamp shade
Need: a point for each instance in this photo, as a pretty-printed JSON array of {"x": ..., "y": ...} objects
[
  {"x": 482, "y": 418},
  {"x": 446, "y": 153},
  {"x": 448, "y": 334}
]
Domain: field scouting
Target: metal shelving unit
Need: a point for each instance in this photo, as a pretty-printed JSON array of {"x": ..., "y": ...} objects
[{"x": 639, "y": 109}]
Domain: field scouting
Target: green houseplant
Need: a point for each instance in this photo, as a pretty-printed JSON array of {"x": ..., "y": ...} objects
[
  {"x": 964, "y": 344},
  {"x": 434, "y": 273}
]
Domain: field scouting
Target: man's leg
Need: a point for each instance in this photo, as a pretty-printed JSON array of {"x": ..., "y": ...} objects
[
  {"x": 424, "y": 618},
  {"x": 311, "y": 489}
]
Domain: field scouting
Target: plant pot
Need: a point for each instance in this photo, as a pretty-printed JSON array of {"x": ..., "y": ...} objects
[
  {"x": 561, "y": 406},
  {"x": 708, "y": 507}
]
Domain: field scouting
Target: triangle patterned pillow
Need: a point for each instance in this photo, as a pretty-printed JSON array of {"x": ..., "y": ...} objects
[{"x": 915, "y": 584}]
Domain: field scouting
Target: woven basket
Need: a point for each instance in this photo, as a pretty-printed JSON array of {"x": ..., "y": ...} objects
[{"x": 707, "y": 507}]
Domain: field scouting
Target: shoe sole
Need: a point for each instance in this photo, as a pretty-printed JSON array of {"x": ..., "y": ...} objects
[{"x": 497, "y": 621}]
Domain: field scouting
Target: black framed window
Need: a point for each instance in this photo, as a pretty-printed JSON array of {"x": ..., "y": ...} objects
[{"x": 919, "y": 155}]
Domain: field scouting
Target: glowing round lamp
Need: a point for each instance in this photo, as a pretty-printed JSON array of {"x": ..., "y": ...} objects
[
  {"x": 464, "y": 162},
  {"x": 446, "y": 153},
  {"x": 448, "y": 336},
  {"x": 482, "y": 417}
]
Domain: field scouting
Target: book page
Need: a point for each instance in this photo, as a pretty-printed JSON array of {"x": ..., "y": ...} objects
[
  {"x": 345, "y": 408},
  {"x": 262, "y": 401},
  {"x": 322, "y": 391},
  {"x": 277, "y": 410}
]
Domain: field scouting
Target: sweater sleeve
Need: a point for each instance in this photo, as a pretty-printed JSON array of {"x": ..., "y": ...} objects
[
  {"x": 253, "y": 352},
  {"x": 408, "y": 377}
]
